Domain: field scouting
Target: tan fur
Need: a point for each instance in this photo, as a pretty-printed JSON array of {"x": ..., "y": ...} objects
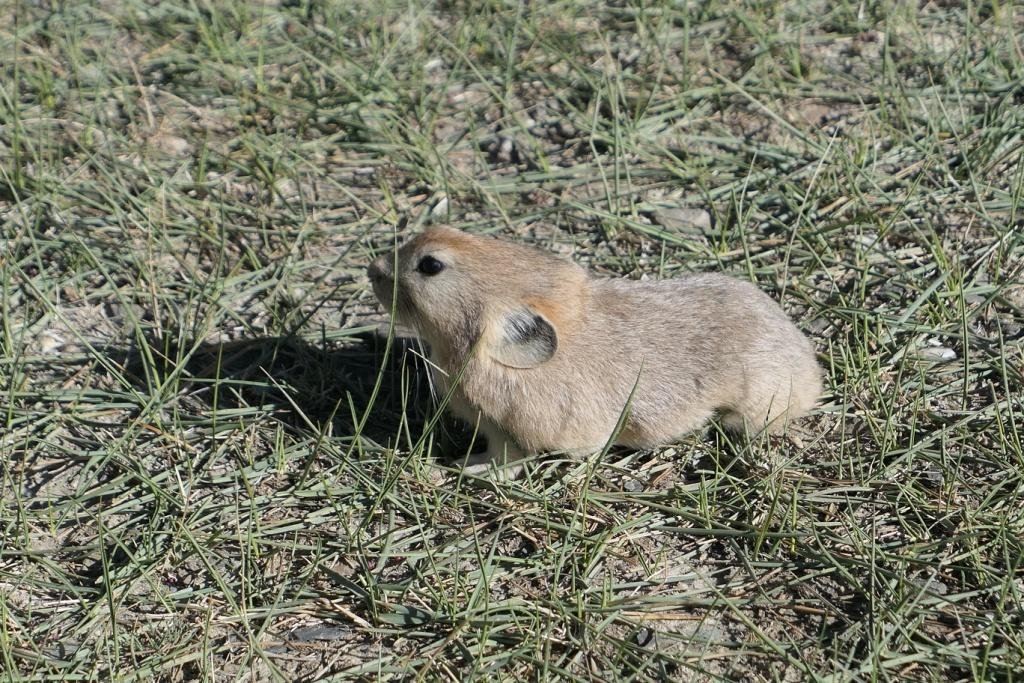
[{"x": 684, "y": 348}]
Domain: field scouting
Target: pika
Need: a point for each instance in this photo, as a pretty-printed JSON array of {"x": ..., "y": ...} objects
[{"x": 539, "y": 355}]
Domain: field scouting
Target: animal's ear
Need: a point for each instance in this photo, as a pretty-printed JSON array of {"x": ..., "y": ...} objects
[{"x": 526, "y": 339}]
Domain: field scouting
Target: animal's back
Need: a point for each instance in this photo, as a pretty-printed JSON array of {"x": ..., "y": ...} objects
[{"x": 700, "y": 344}]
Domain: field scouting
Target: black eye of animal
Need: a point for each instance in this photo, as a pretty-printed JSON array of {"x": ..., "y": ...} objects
[{"x": 429, "y": 265}]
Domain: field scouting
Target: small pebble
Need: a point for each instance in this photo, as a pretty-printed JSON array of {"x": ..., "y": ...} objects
[
  {"x": 633, "y": 485},
  {"x": 320, "y": 633},
  {"x": 50, "y": 342},
  {"x": 441, "y": 207},
  {"x": 172, "y": 145},
  {"x": 645, "y": 636},
  {"x": 683, "y": 219},
  {"x": 936, "y": 354}
]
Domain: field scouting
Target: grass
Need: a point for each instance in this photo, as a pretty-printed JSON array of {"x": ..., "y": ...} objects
[{"x": 212, "y": 467}]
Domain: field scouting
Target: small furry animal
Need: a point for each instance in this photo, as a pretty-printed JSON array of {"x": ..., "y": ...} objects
[{"x": 544, "y": 357}]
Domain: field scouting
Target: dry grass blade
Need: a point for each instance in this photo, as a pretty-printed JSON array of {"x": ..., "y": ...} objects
[{"x": 213, "y": 466}]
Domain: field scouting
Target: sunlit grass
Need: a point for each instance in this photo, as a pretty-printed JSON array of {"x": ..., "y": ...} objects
[{"x": 214, "y": 465}]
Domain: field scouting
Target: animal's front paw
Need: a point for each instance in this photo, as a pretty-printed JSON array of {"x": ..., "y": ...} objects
[{"x": 496, "y": 467}]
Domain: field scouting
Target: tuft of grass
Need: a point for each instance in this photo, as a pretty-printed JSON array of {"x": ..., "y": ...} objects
[{"x": 213, "y": 466}]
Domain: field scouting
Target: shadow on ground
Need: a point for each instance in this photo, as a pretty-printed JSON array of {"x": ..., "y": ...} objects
[{"x": 363, "y": 387}]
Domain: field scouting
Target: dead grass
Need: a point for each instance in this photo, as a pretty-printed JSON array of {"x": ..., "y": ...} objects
[{"x": 211, "y": 466}]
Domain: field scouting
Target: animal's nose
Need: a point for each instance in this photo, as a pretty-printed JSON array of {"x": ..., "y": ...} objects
[{"x": 378, "y": 269}]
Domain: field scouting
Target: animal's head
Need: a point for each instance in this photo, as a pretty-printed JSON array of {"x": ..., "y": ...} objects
[{"x": 462, "y": 292}]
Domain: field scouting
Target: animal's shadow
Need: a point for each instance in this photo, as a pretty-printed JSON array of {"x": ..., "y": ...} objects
[{"x": 365, "y": 386}]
